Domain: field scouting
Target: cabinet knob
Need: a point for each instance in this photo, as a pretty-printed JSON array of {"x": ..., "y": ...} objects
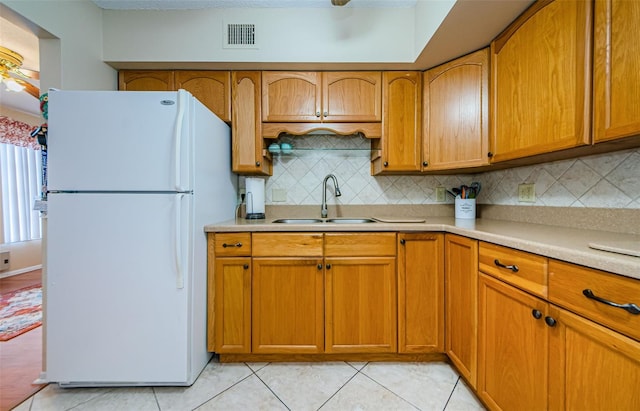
[
  {"x": 328, "y": 266},
  {"x": 490, "y": 154},
  {"x": 317, "y": 113},
  {"x": 257, "y": 164},
  {"x": 319, "y": 266},
  {"x": 424, "y": 163},
  {"x": 246, "y": 266},
  {"x": 386, "y": 164},
  {"x": 536, "y": 314},
  {"x": 551, "y": 322},
  {"x": 326, "y": 114},
  {"x": 403, "y": 241}
]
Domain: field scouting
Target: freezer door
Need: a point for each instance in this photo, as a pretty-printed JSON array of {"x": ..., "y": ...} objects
[
  {"x": 118, "y": 289},
  {"x": 119, "y": 141}
]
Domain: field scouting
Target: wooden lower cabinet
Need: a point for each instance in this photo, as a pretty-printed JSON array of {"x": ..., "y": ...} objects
[
  {"x": 461, "y": 304},
  {"x": 233, "y": 305},
  {"x": 288, "y": 305},
  {"x": 513, "y": 352},
  {"x": 591, "y": 367},
  {"x": 360, "y": 297},
  {"x": 420, "y": 292}
]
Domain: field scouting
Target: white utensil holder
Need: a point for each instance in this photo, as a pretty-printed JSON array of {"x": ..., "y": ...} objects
[{"x": 465, "y": 208}]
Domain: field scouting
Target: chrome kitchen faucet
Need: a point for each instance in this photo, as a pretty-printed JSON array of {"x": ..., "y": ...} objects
[{"x": 323, "y": 208}]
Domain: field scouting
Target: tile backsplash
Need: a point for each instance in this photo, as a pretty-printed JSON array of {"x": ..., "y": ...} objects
[{"x": 600, "y": 181}]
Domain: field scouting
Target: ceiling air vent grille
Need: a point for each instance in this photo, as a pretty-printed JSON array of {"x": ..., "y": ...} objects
[{"x": 240, "y": 35}]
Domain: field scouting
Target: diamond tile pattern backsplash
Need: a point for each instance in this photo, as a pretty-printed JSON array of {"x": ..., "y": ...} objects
[{"x": 601, "y": 181}]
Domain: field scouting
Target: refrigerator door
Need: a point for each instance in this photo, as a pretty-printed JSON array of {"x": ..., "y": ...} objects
[
  {"x": 118, "y": 289},
  {"x": 119, "y": 141}
]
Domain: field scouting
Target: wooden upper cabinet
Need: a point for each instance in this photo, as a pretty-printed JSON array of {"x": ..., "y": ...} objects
[
  {"x": 313, "y": 97},
  {"x": 247, "y": 144},
  {"x": 212, "y": 88},
  {"x": 616, "y": 71},
  {"x": 456, "y": 113},
  {"x": 541, "y": 81},
  {"x": 351, "y": 96},
  {"x": 401, "y": 123},
  {"x": 152, "y": 80}
]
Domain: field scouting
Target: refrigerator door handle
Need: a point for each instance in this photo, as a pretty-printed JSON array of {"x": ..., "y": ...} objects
[
  {"x": 178, "y": 136},
  {"x": 178, "y": 243}
]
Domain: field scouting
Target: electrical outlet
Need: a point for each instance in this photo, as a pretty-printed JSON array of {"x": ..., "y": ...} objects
[
  {"x": 4, "y": 260},
  {"x": 527, "y": 193},
  {"x": 441, "y": 194},
  {"x": 279, "y": 195}
]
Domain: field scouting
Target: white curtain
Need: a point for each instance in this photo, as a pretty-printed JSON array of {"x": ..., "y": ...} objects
[{"x": 21, "y": 182}]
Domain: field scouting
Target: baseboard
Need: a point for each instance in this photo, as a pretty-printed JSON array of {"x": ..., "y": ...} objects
[{"x": 20, "y": 271}]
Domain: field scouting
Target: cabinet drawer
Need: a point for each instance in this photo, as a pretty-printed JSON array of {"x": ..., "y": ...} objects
[
  {"x": 359, "y": 244},
  {"x": 232, "y": 245},
  {"x": 519, "y": 268},
  {"x": 568, "y": 282},
  {"x": 287, "y": 244}
]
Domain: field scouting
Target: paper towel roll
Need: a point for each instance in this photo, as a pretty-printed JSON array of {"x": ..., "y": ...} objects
[{"x": 255, "y": 198}]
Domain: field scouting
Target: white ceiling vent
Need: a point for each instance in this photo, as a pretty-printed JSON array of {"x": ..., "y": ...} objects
[{"x": 240, "y": 36}]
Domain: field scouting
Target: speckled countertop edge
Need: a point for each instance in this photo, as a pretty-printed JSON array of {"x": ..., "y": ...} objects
[{"x": 566, "y": 244}]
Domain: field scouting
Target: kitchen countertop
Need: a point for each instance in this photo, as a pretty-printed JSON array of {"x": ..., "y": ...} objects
[{"x": 567, "y": 244}]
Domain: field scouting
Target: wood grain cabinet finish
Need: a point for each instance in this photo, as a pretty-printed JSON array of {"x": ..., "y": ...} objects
[
  {"x": 590, "y": 366},
  {"x": 456, "y": 113},
  {"x": 513, "y": 352},
  {"x": 541, "y": 81},
  {"x": 248, "y": 151},
  {"x": 420, "y": 292},
  {"x": 401, "y": 141},
  {"x": 616, "y": 66},
  {"x": 211, "y": 88},
  {"x": 146, "y": 80},
  {"x": 330, "y": 97},
  {"x": 360, "y": 293},
  {"x": 461, "y": 304}
]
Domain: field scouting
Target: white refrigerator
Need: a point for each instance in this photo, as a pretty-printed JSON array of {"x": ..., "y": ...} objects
[{"x": 133, "y": 179}]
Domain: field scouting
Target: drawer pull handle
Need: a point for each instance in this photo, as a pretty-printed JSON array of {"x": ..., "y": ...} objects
[
  {"x": 225, "y": 245},
  {"x": 632, "y": 308},
  {"x": 513, "y": 268}
]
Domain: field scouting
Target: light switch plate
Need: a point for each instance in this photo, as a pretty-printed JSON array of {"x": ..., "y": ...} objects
[
  {"x": 527, "y": 193},
  {"x": 279, "y": 195}
]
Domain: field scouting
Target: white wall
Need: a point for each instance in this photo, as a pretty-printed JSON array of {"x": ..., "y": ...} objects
[
  {"x": 72, "y": 59},
  {"x": 284, "y": 35}
]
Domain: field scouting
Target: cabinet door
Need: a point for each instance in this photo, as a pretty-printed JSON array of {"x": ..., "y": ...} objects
[
  {"x": 541, "y": 81},
  {"x": 288, "y": 305},
  {"x": 232, "y": 305},
  {"x": 289, "y": 96},
  {"x": 247, "y": 144},
  {"x": 152, "y": 80},
  {"x": 401, "y": 123},
  {"x": 420, "y": 293},
  {"x": 360, "y": 305},
  {"x": 351, "y": 96},
  {"x": 456, "y": 113},
  {"x": 512, "y": 347},
  {"x": 461, "y": 299},
  {"x": 591, "y": 367},
  {"x": 212, "y": 88},
  {"x": 616, "y": 71}
]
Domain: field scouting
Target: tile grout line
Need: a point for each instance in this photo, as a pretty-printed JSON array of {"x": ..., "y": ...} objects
[
  {"x": 269, "y": 388},
  {"x": 226, "y": 389},
  {"x": 389, "y": 390},
  {"x": 451, "y": 395},
  {"x": 343, "y": 385}
]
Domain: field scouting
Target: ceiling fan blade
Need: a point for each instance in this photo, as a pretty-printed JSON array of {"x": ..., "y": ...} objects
[
  {"x": 339, "y": 2},
  {"x": 29, "y": 73},
  {"x": 29, "y": 88}
]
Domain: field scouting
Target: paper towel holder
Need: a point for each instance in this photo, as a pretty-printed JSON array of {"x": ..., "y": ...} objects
[{"x": 253, "y": 216}]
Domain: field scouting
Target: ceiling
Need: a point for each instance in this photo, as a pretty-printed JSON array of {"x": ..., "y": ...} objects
[
  {"x": 201, "y": 4},
  {"x": 25, "y": 43}
]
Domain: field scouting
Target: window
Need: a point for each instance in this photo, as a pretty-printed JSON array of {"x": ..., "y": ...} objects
[{"x": 20, "y": 184}]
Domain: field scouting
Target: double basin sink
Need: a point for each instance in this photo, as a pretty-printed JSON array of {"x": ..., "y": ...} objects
[{"x": 320, "y": 221}]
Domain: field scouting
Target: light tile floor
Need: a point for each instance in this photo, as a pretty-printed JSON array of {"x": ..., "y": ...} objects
[{"x": 281, "y": 386}]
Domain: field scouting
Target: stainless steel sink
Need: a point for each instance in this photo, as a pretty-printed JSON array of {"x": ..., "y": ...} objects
[
  {"x": 351, "y": 220},
  {"x": 298, "y": 221}
]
